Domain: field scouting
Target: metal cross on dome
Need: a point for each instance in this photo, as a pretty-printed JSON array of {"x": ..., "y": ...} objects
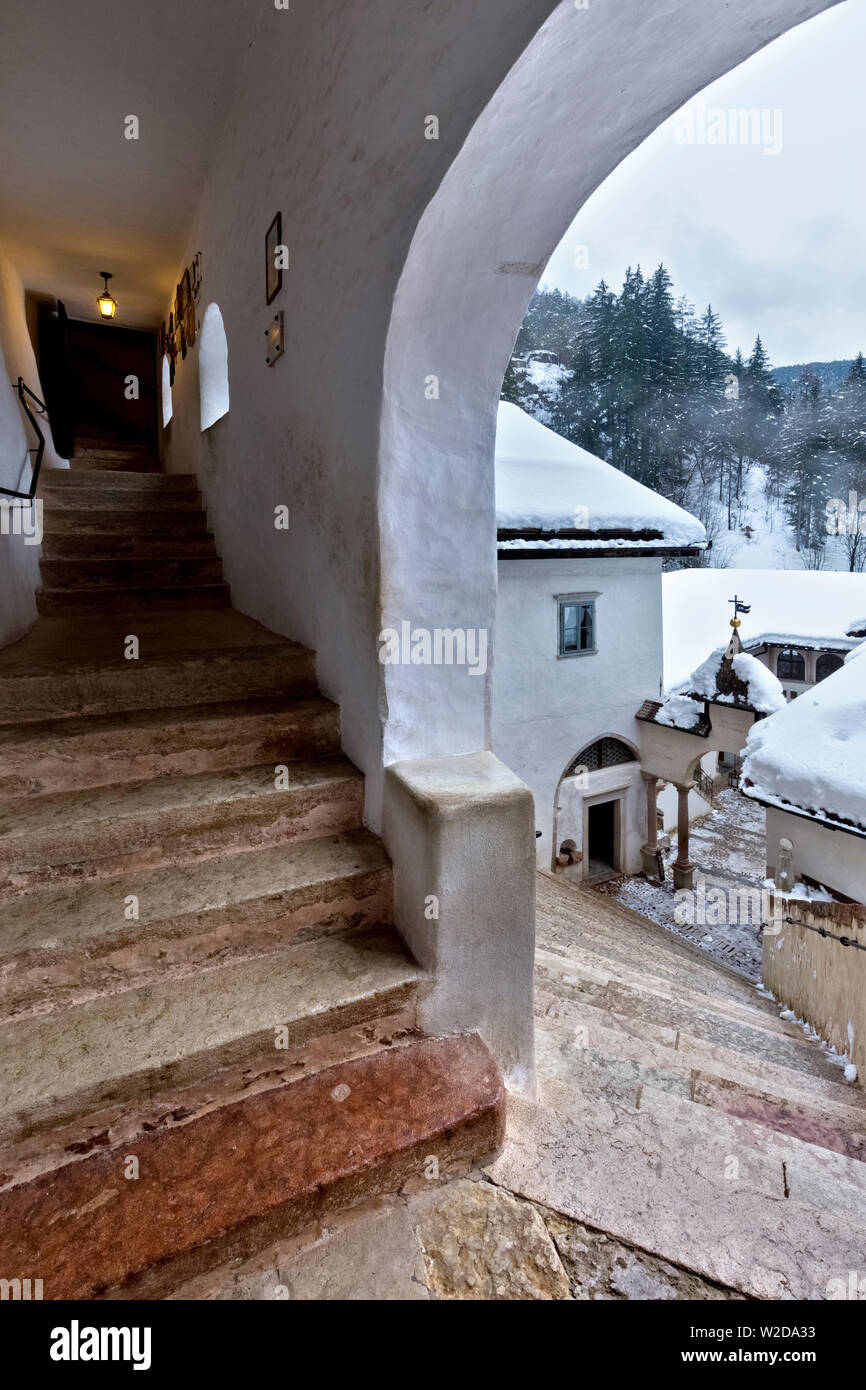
[{"x": 739, "y": 607}]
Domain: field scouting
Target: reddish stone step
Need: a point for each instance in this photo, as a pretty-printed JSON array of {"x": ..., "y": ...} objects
[
  {"x": 249, "y": 1168},
  {"x": 71, "y": 754},
  {"x": 102, "y": 830}
]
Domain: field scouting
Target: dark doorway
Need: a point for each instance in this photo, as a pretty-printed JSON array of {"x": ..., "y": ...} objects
[
  {"x": 108, "y": 405},
  {"x": 601, "y": 839}
]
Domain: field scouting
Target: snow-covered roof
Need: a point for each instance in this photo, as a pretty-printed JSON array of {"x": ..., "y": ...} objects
[
  {"x": 811, "y": 756},
  {"x": 754, "y": 688},
  {"x": 804, "y": 608},
  {"x": 547, "y": 486}
]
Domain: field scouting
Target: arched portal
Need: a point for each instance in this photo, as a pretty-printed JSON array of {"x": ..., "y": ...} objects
[
  {"x": 213, "y": 367},
  {"x": 592, "y": 84},
  {"x": 597, "y": 810}
]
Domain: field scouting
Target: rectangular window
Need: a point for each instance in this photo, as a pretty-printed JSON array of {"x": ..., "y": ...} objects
[{"x": 576, "y": 626}]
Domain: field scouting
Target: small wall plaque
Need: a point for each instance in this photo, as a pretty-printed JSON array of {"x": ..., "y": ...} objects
[{"x": 274, "y": 335}]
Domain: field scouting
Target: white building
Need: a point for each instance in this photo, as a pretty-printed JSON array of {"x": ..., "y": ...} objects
[
  {"x": 807, "y": 765},
  {"x": 801, "y": 625},
  {"x": 579, "y": 606}
]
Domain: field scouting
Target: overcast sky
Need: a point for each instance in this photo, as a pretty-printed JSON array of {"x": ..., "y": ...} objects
[{"x": 777, "y": 243}]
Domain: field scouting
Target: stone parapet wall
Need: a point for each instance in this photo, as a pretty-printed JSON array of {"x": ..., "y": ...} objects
[{"x": 822, "y": 980}]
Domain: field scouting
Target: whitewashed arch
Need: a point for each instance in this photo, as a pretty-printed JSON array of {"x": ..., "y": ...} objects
[
  {"x": 594, "y": 82},
  {"x": 213, "y": 368}
]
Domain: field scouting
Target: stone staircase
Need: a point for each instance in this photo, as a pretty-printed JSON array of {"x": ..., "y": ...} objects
[
  {"x": 680, "y": 1114},
  {"x": 208, "y": 1026}
]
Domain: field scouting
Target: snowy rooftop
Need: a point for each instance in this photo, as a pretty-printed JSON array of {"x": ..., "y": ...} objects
[
  {"x": 812, "y": 754},
  {"x": 806, "y": 608},
  {"x": 757, "y": 689},
  {"x": 545, "y": 485}
]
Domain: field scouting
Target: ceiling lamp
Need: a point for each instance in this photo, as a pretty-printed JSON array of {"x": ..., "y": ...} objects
[{"x": 106, "y": 303}]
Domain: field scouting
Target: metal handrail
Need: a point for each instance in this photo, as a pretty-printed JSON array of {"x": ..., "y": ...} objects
[
  {"x": 705, "y": 786},
  {"x": 21, "y": 388}
]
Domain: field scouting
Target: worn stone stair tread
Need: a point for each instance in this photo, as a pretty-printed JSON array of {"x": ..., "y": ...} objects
[
  {"x": 688, "y": 1058},
  {"x": 110, "y": 573},
  {"x": 56, "y": 1065},
  {"x": 75, "y": 665},
  {"x": 81, "y": 520},
  {"x": 764, "y": 1035},
  {"x": 70, "y": 480},
  {"x": 154, "y": 545},
  {"x": 130, "y": 598},
  {"x": 773, "y": 1099},
  {"x": 54, "y": 927},
  {"x": 132, "y": 500},
  {"x": 754, "y": 1010},
  {"x": 127, "y": 746},
  {"x": 259, "y": 1164},
  {"x": 663, "y": 1188},
  {"x": 84, "y": 827},
  {"x": 638, "y": 932}
]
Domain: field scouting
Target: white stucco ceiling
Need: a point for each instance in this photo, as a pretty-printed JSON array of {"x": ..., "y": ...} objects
[{"x": 76, "y": 197}]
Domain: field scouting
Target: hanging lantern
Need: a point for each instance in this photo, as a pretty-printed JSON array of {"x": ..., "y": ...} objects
[{"x": 106, "y": 303}]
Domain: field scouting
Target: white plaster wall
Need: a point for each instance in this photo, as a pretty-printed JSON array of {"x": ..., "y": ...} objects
[
  {"x": 546, "y": 709},
  {"x": 19, "y": 562},
  {"x": 328, "y": 127},
  {"x": 831, "y": 857}
]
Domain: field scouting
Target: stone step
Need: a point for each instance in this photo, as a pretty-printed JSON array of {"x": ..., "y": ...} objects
[
  {"x": 221, "y": 1178},
  {"x": 760, "y": 1035},
  {"x": 152, "y": 545},
  {"x": 112, "y": 829},
  {"x": 76, "y": 666},
  {"x": 120, "y": 1044},
  {"x": 620, "y": 1058},
  {"x": 119, "y": 571},
  {"x": 55, "y": 603},
  {"x": 712, "y": 1194},
  {"x": 67, "y": 480},
  {"x": 84, "y": 520},
  {"x": 99, "y": 502},
  {"x": 72, "y": 754},
  {"x": 58, "y": 945}
]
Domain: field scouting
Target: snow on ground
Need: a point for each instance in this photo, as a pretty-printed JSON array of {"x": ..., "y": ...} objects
[
  {"x": 544, "y": 481},
  {"x": 806, "y": 607},
  {"x": 762, "y": 537},
  {"x": 727, "y": 846},
  {"x": 813, "y": 753}
]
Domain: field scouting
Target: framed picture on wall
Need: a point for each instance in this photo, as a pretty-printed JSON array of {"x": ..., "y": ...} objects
[
  {"x": 188, "y": 310},
  {"x": 273, "y": 274}
]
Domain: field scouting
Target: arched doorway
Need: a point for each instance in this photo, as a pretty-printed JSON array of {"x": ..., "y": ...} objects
[{"x": 596, "y": 817}]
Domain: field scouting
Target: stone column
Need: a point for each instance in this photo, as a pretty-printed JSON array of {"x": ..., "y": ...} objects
[
  {"x": 684, "y": 872},
  {"x": 649, "y": 851}
]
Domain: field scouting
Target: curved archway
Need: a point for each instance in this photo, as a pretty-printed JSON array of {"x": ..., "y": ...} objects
[
  {"x": 607, "y": 751},
  {"x": 165, "y": 391},
  {"x": 213, "y": 368},
  {"x": 827, "y": 663},
  {"x": 477, "y": 255}
]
